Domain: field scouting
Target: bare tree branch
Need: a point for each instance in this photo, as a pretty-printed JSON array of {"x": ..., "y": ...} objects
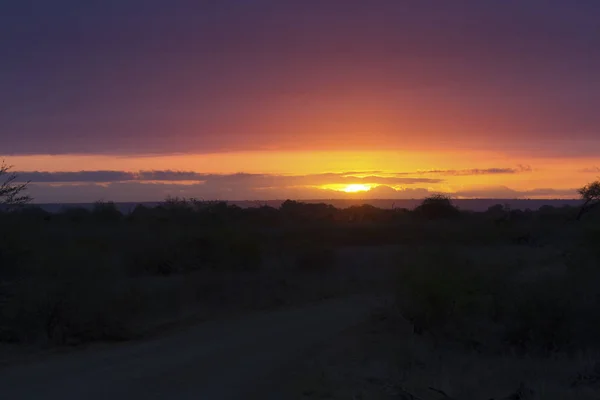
[{"x": 11, "y": 193}]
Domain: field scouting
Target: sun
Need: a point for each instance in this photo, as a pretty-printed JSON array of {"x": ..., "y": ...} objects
[{"x": 356, "y": 188}]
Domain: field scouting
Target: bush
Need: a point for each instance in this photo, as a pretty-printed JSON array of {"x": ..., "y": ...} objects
[
  {"x": 32, "y": 213},
  {"x": 449, "y": 296},
  {"x": 12, "y": 255},
  {"x": 241, "y": 252},
  {"x": 167, "y": 252},
  {"x": 315, "y": 257},
  {"x": 437, "y": 207},
  {"x": 69, "y": 304},
  {"x": 439, "y": 290},
  {"x": 183, "y": 251},
  {"x": 106, "y": 212},
  {"x": 539, "y": 315},
  {"x": 75, "y": 214}
]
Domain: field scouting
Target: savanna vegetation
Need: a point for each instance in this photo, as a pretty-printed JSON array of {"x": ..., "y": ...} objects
[
  {"x": 491, "y": 285},
  {"x": 496, "y": 305}
]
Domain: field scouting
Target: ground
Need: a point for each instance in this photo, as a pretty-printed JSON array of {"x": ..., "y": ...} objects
[
  {"x": 235, "y": 358},
  {"x": 384, "y": 359}
]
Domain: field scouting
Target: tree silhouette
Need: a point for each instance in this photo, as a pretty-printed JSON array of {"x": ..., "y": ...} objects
[
  {"x": 437, "y": 206},
  {"x": 590, "y": 194},
  {"x": 11, "y": 193}
]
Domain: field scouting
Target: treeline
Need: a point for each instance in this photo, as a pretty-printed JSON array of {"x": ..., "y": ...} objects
[{"x": 192, "y": 211}]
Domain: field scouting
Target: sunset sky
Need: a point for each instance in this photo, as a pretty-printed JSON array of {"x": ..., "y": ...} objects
[{"x": 133, "y": 100}]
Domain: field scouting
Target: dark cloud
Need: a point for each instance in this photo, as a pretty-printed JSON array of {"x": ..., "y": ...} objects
[
  {"x": 145, "y": 191},
  {"x": 154, "y": 185},
  {"x": 138, "y": 191},
  {"x": 150, "y": 76},
  {"x": 82, "y": 176},
  {"x": 260, "y": 180},
  {"x": 474, "y": 171},
  {"x": 243, "y": 179}
]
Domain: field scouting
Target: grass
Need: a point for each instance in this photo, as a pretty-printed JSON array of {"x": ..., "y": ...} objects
[
  {"x": 472, "y": 322},
  {"x": 467, "y": 284},
  {"x": 384, "y": 359},
  {"x": 497, "y": 301},
  {"x": 68, "y": 282}
]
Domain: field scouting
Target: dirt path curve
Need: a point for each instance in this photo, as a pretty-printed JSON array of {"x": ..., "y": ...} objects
[{"x": 230, "y": 359}]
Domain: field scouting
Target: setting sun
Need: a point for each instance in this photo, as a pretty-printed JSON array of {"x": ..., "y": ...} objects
[{"x": 356, "y": 188}]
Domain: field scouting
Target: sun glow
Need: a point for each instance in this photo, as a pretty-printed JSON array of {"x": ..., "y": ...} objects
[{"x": 356, "y": 188}]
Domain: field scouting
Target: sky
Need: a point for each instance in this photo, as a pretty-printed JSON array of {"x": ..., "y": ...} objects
[{"x": 134, "y": 100}]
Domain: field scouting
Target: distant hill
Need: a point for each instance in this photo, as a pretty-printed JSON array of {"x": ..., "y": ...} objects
[{"x": 465, "y": 204}]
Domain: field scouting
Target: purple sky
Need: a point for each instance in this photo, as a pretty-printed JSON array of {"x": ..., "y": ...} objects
[
  {"x": 138, "y": 76},
  {"x": 470, "y": 90}
]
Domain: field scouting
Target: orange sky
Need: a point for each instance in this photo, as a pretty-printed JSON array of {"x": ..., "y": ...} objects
[
  {"x": 242, "y": 99},
  {"x": 461, "y": 173}
]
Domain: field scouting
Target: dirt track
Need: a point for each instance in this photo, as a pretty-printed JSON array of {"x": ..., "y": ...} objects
[{"x": 230, "y": 359}]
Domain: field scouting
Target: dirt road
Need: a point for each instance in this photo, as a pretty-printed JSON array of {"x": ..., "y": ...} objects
[{"x": 231, "y": 359}]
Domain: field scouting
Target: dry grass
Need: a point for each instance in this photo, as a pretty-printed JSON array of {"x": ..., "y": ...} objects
[
  {"x": 71, "y": 296},
  {"x": 384, "y": 359},
  {"x": 462, "y": 305}
]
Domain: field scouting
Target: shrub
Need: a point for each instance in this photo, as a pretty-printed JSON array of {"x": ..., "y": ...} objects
[
  {"x": 32, "y": 213},
  {"x": 181, "y": 251},
  {"x": 438, "y": 206},
  {"x": 449, "y": 296},
  {"x": 14, "y": 251},
  {"x": 69, "y": 304},
  {"x": 106, "y": 212},
  {"x": 164, "y": 253},
  {"x": 315, "y": 257},
  {"x": 241, "y": 252},
  {"x": 141, "y": 213},
  {"x": 438, "y": 290},
  {"x": 75, "y": 214},
  {"x": 540, "y": 315}
]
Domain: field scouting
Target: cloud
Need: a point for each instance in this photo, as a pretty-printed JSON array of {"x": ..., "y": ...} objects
[
  {"x": 503, "y": 192},
  {"x": 81, "y": 176},
  {"x": 125, "y": 186},
  {"x": 155, "y": 191},
  {"x": 263, "y": 180},
  {"x": 89, "y": 186},
  {"x": 592, "y": 170},
  {"x": 474, "y": 171},
  {"x": 387, "y": 192},
  {"x": 244, "y": 179}
]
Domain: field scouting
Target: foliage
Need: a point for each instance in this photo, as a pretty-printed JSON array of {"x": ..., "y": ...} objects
[
  {"x": 106, "y": 211},
  {"x": 590, "y": 194},
  {"x": 439, "y": 290},
  {"x": 11, "y": 193},
  {"x": 438, "y": 206},
  {"x": 315, "y": 257},
  {"x": 75, "y": 214},
  {"x": 62, "y": 273},
  {"x": 69, "y": 311},
  {"x": 485, "y": 304}
]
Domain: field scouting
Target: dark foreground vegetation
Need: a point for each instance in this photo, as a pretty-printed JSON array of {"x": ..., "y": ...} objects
[
  {"x": 496, "y": 305},
  {"x": 499, "y": 282},
  {"x": 82, "y": 275}
]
